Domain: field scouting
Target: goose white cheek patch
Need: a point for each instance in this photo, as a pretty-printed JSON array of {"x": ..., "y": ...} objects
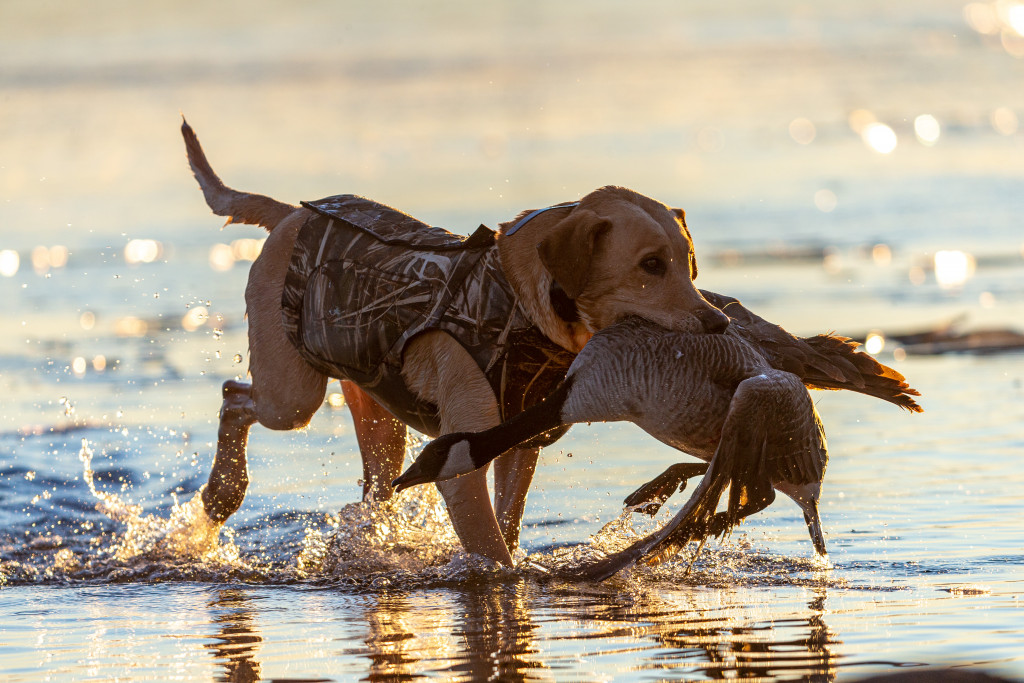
[{"x": 458, "y": 461}]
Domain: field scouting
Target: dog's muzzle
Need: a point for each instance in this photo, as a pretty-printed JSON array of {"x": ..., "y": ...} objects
[{"x": 713, "y": 320}]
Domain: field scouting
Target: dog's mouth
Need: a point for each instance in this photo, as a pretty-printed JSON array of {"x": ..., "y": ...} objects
[{"x": 563, "y": 305}]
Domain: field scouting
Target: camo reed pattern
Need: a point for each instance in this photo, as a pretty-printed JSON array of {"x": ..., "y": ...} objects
[{"x": 365, "y": 279}]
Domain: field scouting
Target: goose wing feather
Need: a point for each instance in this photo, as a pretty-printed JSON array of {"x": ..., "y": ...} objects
[{"x": 821, "y": 362}]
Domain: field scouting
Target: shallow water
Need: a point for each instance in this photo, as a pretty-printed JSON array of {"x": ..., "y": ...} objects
[{"x": 111, "y": 370}]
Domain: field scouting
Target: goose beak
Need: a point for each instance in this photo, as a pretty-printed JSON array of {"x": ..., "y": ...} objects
[
  {"x": 443, "y": 458},
  {"x": 412, "y": 477}
]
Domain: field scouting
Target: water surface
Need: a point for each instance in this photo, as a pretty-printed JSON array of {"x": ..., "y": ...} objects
[{"x": 124, "y": 315}]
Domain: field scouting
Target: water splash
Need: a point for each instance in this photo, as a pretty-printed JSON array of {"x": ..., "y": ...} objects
[
  {"x": 187, "y": 534},
  {"x": 409, "y": 533},
  {"x": 728, "y": 562}
]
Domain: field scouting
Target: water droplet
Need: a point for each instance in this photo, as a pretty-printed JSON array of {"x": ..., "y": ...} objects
[{"x": 237, "y": 358}]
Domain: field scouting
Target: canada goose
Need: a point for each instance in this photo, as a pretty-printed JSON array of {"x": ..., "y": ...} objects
[{"x": 736, "y": 400}]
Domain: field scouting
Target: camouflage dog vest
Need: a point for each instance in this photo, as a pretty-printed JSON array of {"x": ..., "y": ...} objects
[{"x": 365, "y": 279}]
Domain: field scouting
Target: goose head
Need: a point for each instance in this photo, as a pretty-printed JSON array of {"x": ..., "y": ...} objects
[{"x": 446, "y": 457}]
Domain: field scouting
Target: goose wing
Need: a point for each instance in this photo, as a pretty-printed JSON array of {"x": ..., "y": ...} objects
[
  {"x": 772, "y": 435},
  {"x": 821, "y": 362}
]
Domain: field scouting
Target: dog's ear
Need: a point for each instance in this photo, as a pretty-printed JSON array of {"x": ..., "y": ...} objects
[
  {"x": 681, "y": 217},
  {"x": 680, "y": 214},
  {"x": 567, "y": 252}
]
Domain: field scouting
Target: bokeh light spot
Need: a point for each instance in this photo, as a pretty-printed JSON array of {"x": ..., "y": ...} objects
[
  {"x": 142, "y": 251},
  {"x": 1004, "y": 121},
  {"x": 825, "y": 200},
  {"x": 9, "y": 263},
  {"x": 222, "y": 257},
  {"x": 195, "y": 318},
  {"x": 860, "y": 119},
  {"x": 881, "y": 254},
  {"x": 927, "y": 129},
  {"x": 981, "y": 16},
  {"x": 874, "y": 343},
  {"x": 802, "y": 131},
  {"x": 953, "y": 268},
  {"x": 879, "y": 137}
]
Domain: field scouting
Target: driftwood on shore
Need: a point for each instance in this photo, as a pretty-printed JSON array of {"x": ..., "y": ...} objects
[{"x": 949, "y": 338}]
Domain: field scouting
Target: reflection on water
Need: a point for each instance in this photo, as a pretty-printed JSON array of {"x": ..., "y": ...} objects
[{"x": 236, "y": 645}]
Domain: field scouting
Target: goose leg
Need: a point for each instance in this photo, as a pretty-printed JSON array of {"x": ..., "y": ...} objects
[
  {"x": 652, "y": 495},
  {"x": 692, "y": 521}
]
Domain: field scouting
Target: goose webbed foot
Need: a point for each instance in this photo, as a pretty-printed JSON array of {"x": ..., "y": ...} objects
[
  {"x": 652, "y": 495},
  {"x": 693, "y": 522}
]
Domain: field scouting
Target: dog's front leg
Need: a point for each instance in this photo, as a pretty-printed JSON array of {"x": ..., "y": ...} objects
[
  {"x": 439, "y": 370},
  {"x": 513, "y": 474}
]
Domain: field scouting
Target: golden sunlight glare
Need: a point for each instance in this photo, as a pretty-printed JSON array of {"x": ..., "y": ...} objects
[
  {"x": 860, "y": 119},
  {"x": 953, "y": 268},
  {"x": 9, "y": 263},
  {"x": 1015, "y": 17},
  {"x": 130, "y": 326},
  {"x": 879, "y": 137},
  {"x": 881, "y": 254},
  {"x": 247, "y": 248},
  {"x": 927, "y": 129},
  {"x": 195, "y": 318},
  {"x": 874, "y": 343},
  {"x": 982, "y": 17},
  {"x": 222, "y": 257},
  {"x": 142, "y": 251}
]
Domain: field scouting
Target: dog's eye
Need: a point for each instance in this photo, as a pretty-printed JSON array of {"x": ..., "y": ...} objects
[{"x": 654, "y": 265}]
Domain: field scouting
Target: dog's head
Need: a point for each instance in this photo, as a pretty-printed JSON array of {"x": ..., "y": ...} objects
[{"x": 620, "y": 253}]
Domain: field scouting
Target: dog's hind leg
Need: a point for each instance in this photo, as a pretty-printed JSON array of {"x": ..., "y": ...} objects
[
  {"x": 381, "y": 440},
  {"x": 513, "y": 474},
  {"x": 285, "y": 390},
  {"x": 229, "y": 477}
]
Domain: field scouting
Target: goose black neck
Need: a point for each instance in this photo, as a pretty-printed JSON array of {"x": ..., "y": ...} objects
[{"x": 534, "y": 421}]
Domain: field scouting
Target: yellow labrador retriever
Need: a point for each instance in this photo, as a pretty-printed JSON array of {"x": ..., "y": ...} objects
[{"x": 434, "y": 331}]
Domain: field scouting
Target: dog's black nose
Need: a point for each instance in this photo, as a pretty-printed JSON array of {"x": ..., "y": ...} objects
[{"x": 713, "y": 320}]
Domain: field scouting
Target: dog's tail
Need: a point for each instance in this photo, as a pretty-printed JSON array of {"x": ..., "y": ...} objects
[{"x": 239, "y": 207}]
